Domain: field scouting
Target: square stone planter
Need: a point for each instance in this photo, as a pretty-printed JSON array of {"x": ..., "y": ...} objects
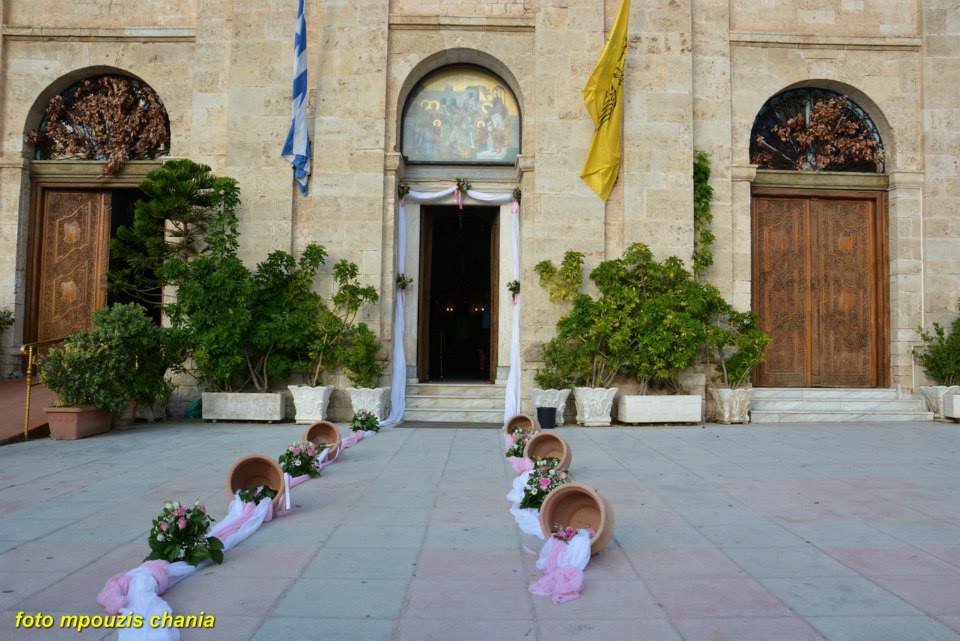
[
  {"x": 674, "y": 408},
  {"x": 731, "y": 405},
  {"x": 935, "y": 395},
  {"x": 594, "y": 405},
  {"x": 310, "y": 403},
  {"x": 71, "y": 423},
  {"x": 551, "y": 398},
  {"x": 372, "y": 399},
  {"x": 951, "y": 406},
  {"x": 243, "y": 406}
]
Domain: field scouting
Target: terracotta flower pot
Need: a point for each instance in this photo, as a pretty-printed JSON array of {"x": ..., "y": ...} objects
[
  {"x": 521, "y": 422},
  {"x": 71, "y": 423},
  {"x": 549, "y": 445},
  {"x": 254, "y": 470},
  {"x": 324, "y": 432},
  {"x": 578, "y": 506}
]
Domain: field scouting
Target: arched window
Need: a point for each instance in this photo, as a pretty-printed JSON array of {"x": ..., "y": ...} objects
[
  {"x": 461, "y": 115},
  {"x": 111, "y": 118},
  {"x": 811, "y": 129}
]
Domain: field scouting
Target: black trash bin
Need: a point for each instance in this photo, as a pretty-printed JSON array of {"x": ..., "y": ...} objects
[{"x": 547, "y": 417}]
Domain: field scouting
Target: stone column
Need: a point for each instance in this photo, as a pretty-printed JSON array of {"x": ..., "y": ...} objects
[
  {"x": 905, "y": 197},
  {"x": 742, "y": 177}
]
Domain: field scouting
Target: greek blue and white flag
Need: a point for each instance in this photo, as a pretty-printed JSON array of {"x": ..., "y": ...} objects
[{"x": 298, "y": 147}]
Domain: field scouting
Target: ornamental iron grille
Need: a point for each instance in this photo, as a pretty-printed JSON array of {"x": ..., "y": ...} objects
[
  {"x": 109, "y": 118},
  {"x": 815, "y": 130}
]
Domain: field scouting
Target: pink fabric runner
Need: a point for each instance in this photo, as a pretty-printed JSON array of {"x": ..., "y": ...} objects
[
  {"x": 561, "y": 583},
  {"x": 520, "y": 464}
]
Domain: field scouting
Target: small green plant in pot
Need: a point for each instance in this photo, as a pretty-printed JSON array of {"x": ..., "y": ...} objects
[
  {"x": 98, "y": 373},
  {"x": 940, "y": 358},
  {"x": 358, "y": 357},
  {"x": 735, "y": 346}
]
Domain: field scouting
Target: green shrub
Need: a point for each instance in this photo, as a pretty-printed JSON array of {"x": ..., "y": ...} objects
[
  {"x": 6, "y": 320},
  {"x": 358, "y": 356},
  {"x": 123, "y": 358},
  {"x": 940, "y": 354},
  {"x": 735, "y": 345}
]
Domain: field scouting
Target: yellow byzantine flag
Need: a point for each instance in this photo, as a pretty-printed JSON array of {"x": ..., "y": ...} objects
[{"x": 603, "y": 96}]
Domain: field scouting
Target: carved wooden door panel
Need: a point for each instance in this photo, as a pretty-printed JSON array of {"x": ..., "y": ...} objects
[
  {"x": 74, "y": 236},
  {"x": 781, "y": 284},
  {"x": 844, "y": 316},
  {"x": 816, "y": 290}
]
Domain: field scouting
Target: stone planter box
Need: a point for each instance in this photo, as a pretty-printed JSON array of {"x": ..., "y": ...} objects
[
  {"x": 71, "y": 423},
  {"x": 372, "y": 399},
  {"x": 935, "y": 395},
  {"x": 674, "y": 408},
  {"x": 243, "y": 406},
  {"x": 551, "y": 398},
  {"x": 731, "y": 405},
  {"x": 594, "y": 405},
  {"x": 951, "y": 406},
  {"x": 310, "y": 403}
]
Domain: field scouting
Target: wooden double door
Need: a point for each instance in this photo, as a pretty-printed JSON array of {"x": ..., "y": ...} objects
[{"x": 819, "y": 287}]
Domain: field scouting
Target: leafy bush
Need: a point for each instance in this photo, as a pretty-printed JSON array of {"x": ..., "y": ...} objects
[
  {"x": 940, "y": 355},
  {"x": 358, "y": 355},
  {"x": 650, "y": 320},
  {"x": 735, "y": 345},
  {"x": 123, "y": 358}
]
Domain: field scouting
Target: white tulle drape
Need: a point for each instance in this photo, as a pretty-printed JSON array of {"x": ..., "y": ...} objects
[{"x": 399, "y": 364}]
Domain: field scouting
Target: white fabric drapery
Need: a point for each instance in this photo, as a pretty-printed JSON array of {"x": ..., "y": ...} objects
[{"x": 399, "y": 365}]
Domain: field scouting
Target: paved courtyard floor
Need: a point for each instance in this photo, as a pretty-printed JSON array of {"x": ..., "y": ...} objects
[{"x": 758, "y": 533}]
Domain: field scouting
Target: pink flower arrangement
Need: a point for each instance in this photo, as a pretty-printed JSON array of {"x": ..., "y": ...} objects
[{"x": 301, "y": 459}]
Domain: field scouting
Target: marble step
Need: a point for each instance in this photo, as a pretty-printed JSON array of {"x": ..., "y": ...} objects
[
  {"x": 764, "y": 393},
  {"x": 454, "y": 415},
  {"x": 839, "y": 404},
  {"x": 806, "y": 416},
  {"x": 453, "y": 401},
  {"x": 475, "y": 390}
]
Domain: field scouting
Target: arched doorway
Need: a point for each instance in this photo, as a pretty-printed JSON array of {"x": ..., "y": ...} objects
[
  {"x": 459, "y": 120},
  {"x": 90, "y": 145},
  {"x": 819, "y": 218}
]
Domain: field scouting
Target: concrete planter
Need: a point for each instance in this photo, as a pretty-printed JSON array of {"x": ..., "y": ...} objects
[
  {"x": 243, "y": 406},
  {"x": 678, "y": 408},
  {"x": 372, "y": 399},
  {"x": 934, "y": 395},
  {"x": 71, "y": 423},
  {"x": 731, "y": 405},
  {"x": 310, "y": 403},
  {"x": 951, "y": 406},
  {"x": 594, "y": 405},
  {"x": 551, "y": 398}
]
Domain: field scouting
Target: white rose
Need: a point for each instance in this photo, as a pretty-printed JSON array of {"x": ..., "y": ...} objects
[
  {"x": 160, "y": 538},
  {"x": 168, "y": 505}
]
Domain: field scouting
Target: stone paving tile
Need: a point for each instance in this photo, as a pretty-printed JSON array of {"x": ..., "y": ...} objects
[
  {"x": 788, "y": 628},
  {"x": 312, "y": 628},
  {"x": 837, "y": 596},
  {"x": 937, "y": 595},
  {"x": 362, "y": 563},
  {"x": 696, "y": 598},
  {"x": 899, "y": 560},
  {"x": 883, "y": 628},
  {"x": 608, "y": 630},
  {"x": 768, "y": 563},
  {"x": 465, "y": 630},
  {"x": 691, "y": 563},
  {"x": 470, "y": 599},
  {"x": 346, "y": 598}
]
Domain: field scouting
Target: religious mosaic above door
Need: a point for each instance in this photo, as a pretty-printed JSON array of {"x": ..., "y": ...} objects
[{"x": 461, "y": 115}]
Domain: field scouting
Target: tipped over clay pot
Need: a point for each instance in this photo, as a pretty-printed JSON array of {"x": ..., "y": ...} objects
[
  {"x": 327, "y": 433},
  {"x": 255, "y": 470},
  {"x": 549, "y": 445},
  {"x": 521, "y": 423},
  {"x": 578, "y": 506}
]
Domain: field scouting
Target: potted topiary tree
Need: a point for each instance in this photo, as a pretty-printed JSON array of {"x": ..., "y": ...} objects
[
  {"x": 940, "y": 357},
  {"x": 358, "y": 356},
  {"x": 580, "y": 355},
  {"x": 331, "y": 327},
  {"x": 735, "y": 347},
  {"x": 96, "y": 373}
]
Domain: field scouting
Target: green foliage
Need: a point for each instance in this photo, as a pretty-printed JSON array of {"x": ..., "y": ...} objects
[
  {"x": 187, "y": 211},
  {"x": 282, "y": 313},
  {"x": 365, "y": 421},
  {"x": 333, "y": 326},
  {"x": 213, "y": 315},
  {"x": 702, "y": 217},
  {"x": 735, "y": 345},
  {"x": 940, "y": 355},
  {"x": 122, "y": 359},
  {"x": 358, "y": 355},
  {"x": 257, "y": 494},
  {"x": 180, "y": 534},
  {"x": 6, "y": 320},
  {"x": 650, "y": 320},
  {"x": 562, "y": 284}
]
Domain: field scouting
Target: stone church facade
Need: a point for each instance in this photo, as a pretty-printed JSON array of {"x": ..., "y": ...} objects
[{"x": 698, "y": 74}]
